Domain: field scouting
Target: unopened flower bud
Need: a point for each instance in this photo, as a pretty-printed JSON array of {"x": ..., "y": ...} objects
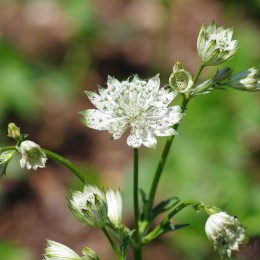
[
  {"x": 248, "y": 80},
  {"x": 115, "y": 206},
  {"x": 32, "y": 155},
  {"x": 225, "y": 232},
  {"x": 215, "y": 45},
  {"x": 223, "y": 74},
  {"x": 13, "y": 131},
  {"x": 89, "y": 206},
  {"x": 180, "y": 79},
  {"x": 89, "y": 254}
]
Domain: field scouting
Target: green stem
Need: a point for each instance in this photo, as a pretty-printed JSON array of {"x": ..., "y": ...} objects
[
  {"x": 164, "y": 155},
  {"x": 166, "y": 220},
  {"x": 137, "y": 250},
  {"x": 113, "y": 245},
  {"x": 65, "y": 163}
]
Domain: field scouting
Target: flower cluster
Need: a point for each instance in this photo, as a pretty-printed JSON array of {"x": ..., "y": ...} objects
[{"x": 136, "y": 104}]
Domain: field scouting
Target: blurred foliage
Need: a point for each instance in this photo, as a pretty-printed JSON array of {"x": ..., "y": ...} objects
[{"x": 216, "y": 156}]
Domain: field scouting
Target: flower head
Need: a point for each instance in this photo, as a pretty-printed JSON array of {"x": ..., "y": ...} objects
[
  {"x": 215, "y": 45},
  {"x": 89, "y": 206},
  {"x": 115, "y": 206},
  {"x": 248, "y": 80},
  {"x": 32, "y": 155},
  {"x": 225, "y": 232},
  {"x": 58, "y": 251},
  {"x": 136, "y": 104}
]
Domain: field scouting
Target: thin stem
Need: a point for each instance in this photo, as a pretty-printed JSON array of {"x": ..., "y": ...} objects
[
  {"x": 112, "y": 243},
  {"x": 164, "y": 155},
  {"x": 160, "y": 166},
  {"x": 65, "y": 163},
  {"x": 137, "y": 250},
  {"x": 166, "y": 220}
]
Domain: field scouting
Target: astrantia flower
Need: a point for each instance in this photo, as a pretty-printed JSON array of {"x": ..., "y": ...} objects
[
  {"x": 89, "y": 206},
  {"x": 225, "y": 232},
  {"x": 57, "y": 251},
  {"x": 32, "y": 155},
  {"x": 248, "y": 80},
  {"x": 215, "y": 45},
  {"x": 136, "y": 104},
  {"x": 115, "y": 206}
]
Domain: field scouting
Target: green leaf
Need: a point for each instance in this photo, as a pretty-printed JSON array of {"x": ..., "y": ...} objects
[
  {"x": 5, "y": 157},
  {"x": 164, "y": 206}
]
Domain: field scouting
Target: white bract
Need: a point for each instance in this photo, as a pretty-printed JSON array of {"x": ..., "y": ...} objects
[
  {"x": 248, "y": 80},
  {"x": 215, "y": 45},
  {"x": 89, "y": 206},
  {"x": 225, "y": 232},
  {"x": 136, "y": 104},
  {"x": 57, "y": 251},
  {"x": 115, "y": 206},
  {"x": 32, "y": 155}
]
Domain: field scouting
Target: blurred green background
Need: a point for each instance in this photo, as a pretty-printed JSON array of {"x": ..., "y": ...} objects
[{"x": 51, "y": 51}]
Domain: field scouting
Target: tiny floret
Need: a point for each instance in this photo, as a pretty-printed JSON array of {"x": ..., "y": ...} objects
[
  {"x": 136, "y": 104},
  {"x": 248, "y": 80},
  {"x": 32, "y": 155},
  {"x": 215, "y": 45},
  {"x": 115, "y": 206},
  {"x": 89, "y": 206},
  {"x": 225, "y": 232}
]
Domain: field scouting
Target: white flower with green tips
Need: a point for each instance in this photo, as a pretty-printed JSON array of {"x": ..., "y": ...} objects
[
  {"x": 215, "y": 44},
  {"x": 58, "y": 251},
  {"x": 89, "y": 206},
  {"x": 136, "y": 104},
  {"x": 225, "y": 232},
  {"x": 33, "y": 156},
  {"x": 115, "y": 206},
  {"x": 248, "y": 80}
]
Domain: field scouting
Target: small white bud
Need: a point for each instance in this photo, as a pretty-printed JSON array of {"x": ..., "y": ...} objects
[
  {"x": 32, "y": 155},
  {"x": 115, "y": 206}
]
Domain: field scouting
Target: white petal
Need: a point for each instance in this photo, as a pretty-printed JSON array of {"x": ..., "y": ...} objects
[{"x": 134, "y": 141}]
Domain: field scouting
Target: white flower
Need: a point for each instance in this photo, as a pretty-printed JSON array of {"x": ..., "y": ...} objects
[
  {"x": 57, "y": 251},
  {"x": 215, "y": 45},
  {"x": 115, "y": 206},
  {"x": 225, "y": 232},
  {"x": 32, "y": 155},
  {"x": 248, "y": 80},
  {"x": 89, "y": 206},
  {"x": 136, "y": 104}
]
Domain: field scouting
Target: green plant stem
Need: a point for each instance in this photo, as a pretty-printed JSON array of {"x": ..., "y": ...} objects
[
  {"x": 137, "y": 249},
  {"x": 113, "y": 245},
  {"x": 166, "y": 220},
  {"x": 164, "y": 155},
  {"x": 65, "y": 163}
]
